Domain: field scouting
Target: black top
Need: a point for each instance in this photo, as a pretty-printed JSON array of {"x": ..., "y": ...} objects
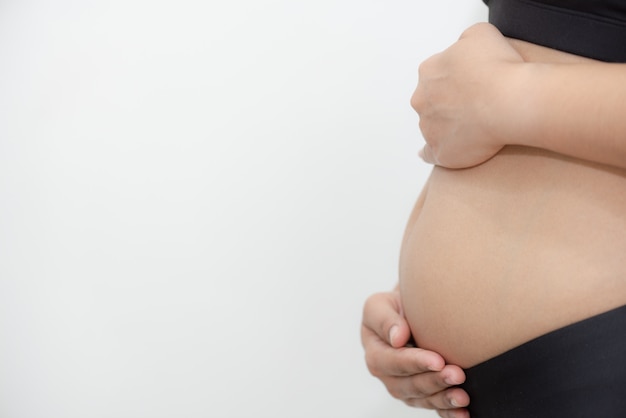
[{"x": 591, "y": 28}]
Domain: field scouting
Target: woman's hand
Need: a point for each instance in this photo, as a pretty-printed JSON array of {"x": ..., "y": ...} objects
[
  {"x": 418, "y": 377},
  {"x": 460, "y": 94}
]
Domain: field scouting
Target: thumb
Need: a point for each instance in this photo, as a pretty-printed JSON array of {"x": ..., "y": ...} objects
[
  {"x": 399, "y": 333},
  {"x": 382, "y": 315}
]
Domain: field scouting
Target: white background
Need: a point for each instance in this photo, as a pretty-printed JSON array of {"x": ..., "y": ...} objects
[{"x": 196, "y": 197}]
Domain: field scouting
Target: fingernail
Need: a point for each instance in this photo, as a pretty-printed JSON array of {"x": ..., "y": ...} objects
[
  {"x": 392, "y": 333},
  {"x": 434, "y": 368},
  {"x": 454, "y": 403},
  {"x": 449, "y": 381}
]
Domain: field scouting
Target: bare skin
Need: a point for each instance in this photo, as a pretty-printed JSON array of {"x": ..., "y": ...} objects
[
  {"x": 522, "y": 244},
  {"x": 559, "y": 248},
  {"x": 486, "y": 91},
  {"x": 509, "y": 250},
  {"x": 416, "y": 376}
]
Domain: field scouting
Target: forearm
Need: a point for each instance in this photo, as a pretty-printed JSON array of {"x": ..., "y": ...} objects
[{"x": 577, "y": 110}]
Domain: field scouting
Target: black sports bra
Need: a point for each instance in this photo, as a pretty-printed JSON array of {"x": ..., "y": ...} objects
[{"x": 591, "y": 28}]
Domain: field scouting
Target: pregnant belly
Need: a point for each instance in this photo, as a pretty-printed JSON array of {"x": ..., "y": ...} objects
[{"x": 501, "y": 253}]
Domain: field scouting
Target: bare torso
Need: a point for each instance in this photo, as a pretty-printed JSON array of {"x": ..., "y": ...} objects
[{"x": 523, "y": 244}]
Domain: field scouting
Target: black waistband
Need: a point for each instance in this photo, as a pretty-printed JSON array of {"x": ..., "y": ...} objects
[
  {"x": 578, "y": 371},
  {"x": 567, "y": 30}
]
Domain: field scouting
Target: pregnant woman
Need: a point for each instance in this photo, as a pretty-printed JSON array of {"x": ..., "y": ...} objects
[{"x": 513, "y": 263}]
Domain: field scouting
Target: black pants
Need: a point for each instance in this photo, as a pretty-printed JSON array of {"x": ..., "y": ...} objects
[{"x": 578, "y": 371}]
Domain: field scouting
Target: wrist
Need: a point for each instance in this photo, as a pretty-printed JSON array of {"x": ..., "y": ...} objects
[
  {"x": 533, "y": 86},
  {"x": 517, "y": 114}
]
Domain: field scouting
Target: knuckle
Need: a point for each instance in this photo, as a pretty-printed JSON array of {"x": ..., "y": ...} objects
[
  {"x": 370, "y": 303},
  {"x": 417, "y": 389},
  {"x": 428, "y": 66},
  {"x": 423, "y": 127},
  {"x": 415, "y": 403},
  {"x": 417, "y": 101},
  {"x": 468, "y": 32},
  {"x": 372, "y": 365},
  {"x": 376, "y": 366},
  {"x": 373, "y": 299},
  {"x": 396, "y": 394},
  {"x": 419, "y": 403},
  {"x": 399, "y": 390},
  {"x": 427, "y": 130},
  {"x": 425, "y": 65},
  {"x": 476, "y": 28}
]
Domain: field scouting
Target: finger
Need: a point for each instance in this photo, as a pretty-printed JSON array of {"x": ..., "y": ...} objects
[
  {"x": 386, "y": 361},
  {"x": 454, "y": 413},
  {"x": 383, "y": 315},
  {"x": 432, "y": 388},
  {"x": 454, "y": 399}
]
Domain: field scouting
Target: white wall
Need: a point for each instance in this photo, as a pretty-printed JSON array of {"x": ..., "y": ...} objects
[{"x": 197, "y": 196}]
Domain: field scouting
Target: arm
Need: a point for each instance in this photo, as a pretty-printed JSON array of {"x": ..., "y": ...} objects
[
  {"x": 577, "y": 110},
  {"x": 481, "y": 94}
]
